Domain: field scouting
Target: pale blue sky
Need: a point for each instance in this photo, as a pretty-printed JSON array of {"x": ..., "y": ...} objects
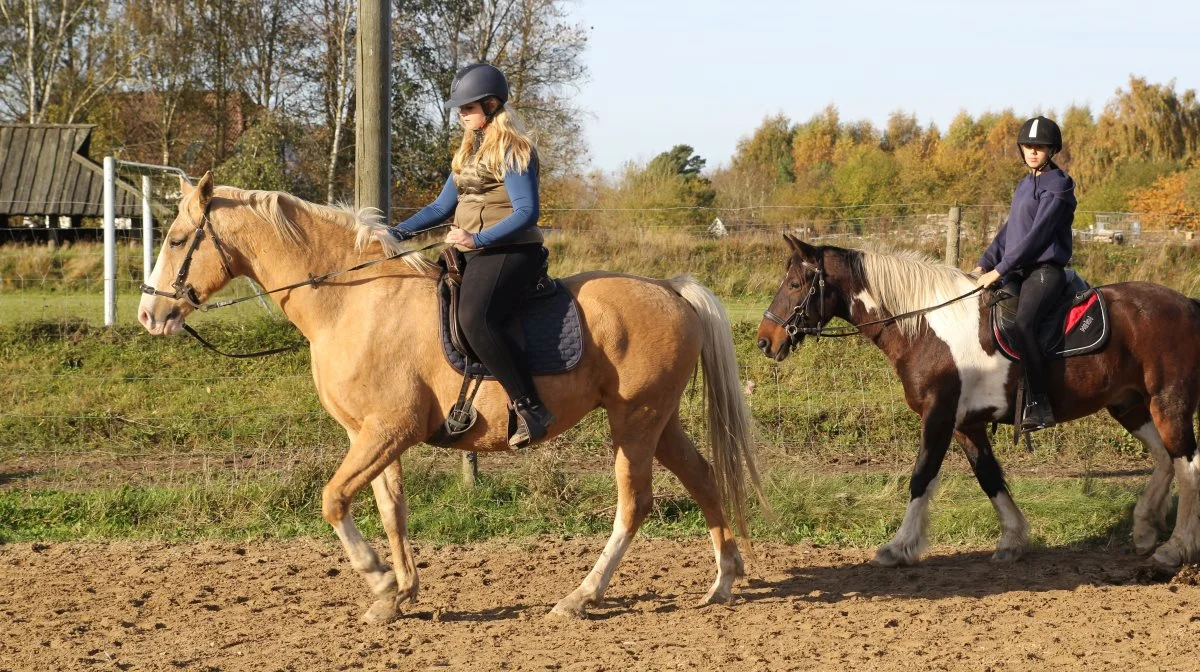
[{"x": 707, "y": 72}]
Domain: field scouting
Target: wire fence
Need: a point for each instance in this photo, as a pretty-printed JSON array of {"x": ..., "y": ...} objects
[{"x": 852, "y": 410}]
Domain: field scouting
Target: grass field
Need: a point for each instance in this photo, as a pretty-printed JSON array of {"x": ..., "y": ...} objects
[{"x": 108, "y": 432}]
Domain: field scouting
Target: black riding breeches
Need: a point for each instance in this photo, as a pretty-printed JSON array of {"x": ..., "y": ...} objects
[
  {"x": 1040, "y": 291},
  {"x": 493, "y": 286}
]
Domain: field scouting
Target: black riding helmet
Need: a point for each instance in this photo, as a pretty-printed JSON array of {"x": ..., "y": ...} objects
[
  {"x": 1040, "y": 131},
  {"x": 476, "y": 82}
]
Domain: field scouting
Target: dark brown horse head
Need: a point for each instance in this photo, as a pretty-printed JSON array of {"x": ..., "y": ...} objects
[{"x": 806, "y": 299}]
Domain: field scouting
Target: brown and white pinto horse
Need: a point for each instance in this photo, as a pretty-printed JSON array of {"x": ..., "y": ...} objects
[
  {"x": 380, "y": 372},
  {"x": 1147, "y": 377}
]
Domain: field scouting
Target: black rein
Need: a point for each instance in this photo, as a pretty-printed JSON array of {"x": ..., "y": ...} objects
[
  {"x": 183, "y": 290},
  {"x": 793, "y": 328}
]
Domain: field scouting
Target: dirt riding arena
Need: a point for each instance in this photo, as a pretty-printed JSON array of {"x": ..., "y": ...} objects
[{"x": 295, "y": 606}]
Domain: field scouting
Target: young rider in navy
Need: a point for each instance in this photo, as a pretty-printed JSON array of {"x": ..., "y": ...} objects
[
  {"x": 1032, "y": 247},
  {"x": 492, "y": 194}
]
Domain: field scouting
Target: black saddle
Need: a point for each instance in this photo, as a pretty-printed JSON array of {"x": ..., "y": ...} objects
[
  {"x": 1079, "y": 324},
  {"x": 546, "y": 325}
]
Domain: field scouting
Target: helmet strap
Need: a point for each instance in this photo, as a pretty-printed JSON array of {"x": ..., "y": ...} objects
[{"x": 492, "y": 115}]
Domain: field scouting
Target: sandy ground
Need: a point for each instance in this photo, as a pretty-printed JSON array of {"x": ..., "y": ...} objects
[{"x": 295, "y": 606}]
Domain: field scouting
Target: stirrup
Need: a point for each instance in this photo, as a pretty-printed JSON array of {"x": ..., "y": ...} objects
[{"x": 1037, "y": 415}]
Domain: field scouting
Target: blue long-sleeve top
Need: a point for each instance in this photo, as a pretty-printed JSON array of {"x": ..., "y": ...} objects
[
  {"x": 522, "y": 191},
  {"x": 1038, "y": 229}
]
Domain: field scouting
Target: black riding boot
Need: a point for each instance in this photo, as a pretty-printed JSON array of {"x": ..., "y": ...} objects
[
  {"x": 1038, "y": 414},
  {"x": 533, "y": 422}
]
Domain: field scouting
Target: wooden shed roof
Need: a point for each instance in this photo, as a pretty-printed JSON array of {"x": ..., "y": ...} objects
[{"x": 45, "y": 170}]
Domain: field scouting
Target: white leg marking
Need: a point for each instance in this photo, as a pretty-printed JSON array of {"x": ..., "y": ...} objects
[
  {"x": 1184, "y": 544},
  {"x": 905, "y": 548},
  {"x": 1013, "y": 529},
  {"x": 379, "y": 577},
  {"x": 596, "y": 582},
  {"x": 1150, "y": 513}
]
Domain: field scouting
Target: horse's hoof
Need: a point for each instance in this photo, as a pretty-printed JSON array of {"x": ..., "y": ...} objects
[
  {"x": 717, "y": 595},
  {"x": 887, "y": 557},
  {"x": 566, "y": 609},
  {"x": 1166, "y": 559},
  {"x": 1143, "y": 551},
  {"x": 1006, "y": 555},
  {"x": 383, "y": 611}
]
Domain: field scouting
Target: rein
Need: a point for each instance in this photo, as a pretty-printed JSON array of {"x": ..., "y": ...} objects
[
  {"x": 793, "y": 329},
  {"x": 183, "y": 290}
]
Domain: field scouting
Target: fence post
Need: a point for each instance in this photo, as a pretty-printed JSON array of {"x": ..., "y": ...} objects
[
  {"x": 470, "y": 468},
  {"x": 147, "y": 231},
  {"x": 953, "y": 229},
  {"x": 110, "y": 241}
]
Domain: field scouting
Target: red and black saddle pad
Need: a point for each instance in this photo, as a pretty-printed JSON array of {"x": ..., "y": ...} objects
[{"x": 1076, "y": 327}]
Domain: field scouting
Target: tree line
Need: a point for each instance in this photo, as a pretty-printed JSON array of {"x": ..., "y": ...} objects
[
  {"x": 263, "y": 92},
  {"x": 1140, "y": 153}
]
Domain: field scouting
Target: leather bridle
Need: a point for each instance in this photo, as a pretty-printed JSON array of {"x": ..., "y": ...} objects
[{"x": 183, "y": 290}]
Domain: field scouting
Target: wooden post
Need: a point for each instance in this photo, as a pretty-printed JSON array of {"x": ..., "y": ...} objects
[
  {"x": 373, "y": 79},
  {"x": 953, "y": 229},
  {"x": 470, "y": 468}
]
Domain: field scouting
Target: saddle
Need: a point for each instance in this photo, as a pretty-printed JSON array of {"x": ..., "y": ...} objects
[
  {"x": 1079, "y": 323},
  {"x": 546, "y": 327}
]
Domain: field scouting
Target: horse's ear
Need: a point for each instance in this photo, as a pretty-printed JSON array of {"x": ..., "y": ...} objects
[
  {"x": 205, "y": 187},
  {"x": 800, "y": 247},
  {"x": 185, "y": 186}
]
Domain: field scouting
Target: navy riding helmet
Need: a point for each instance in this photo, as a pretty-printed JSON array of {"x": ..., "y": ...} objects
[
  {"x": 1040, "y": 131},
  {"x": 476, "y": 82}
]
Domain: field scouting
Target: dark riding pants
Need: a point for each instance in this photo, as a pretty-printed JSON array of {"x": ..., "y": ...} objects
[
  {"x": 493, "y": 286},
  {"x": 1040, "y": 292}
]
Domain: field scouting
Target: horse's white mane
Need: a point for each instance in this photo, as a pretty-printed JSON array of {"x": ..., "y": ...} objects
[
  {"x": 364, "y": 223},
  {"x": 901, "y": 281}
]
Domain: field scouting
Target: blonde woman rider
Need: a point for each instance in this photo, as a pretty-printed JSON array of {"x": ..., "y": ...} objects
[{"x": 492, "y": 195}]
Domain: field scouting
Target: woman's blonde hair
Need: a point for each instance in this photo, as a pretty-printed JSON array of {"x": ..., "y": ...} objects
[{"x": 505, "y": 145}]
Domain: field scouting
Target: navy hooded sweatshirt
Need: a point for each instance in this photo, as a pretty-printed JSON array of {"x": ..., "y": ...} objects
[{"x": 1038, "y": 229}]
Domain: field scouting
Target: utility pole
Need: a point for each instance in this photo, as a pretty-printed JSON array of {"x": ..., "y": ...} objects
[{"x": 373, "y": 113}]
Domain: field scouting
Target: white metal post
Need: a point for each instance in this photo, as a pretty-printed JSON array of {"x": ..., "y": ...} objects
[
  {"x": 110, "y": 241},
  {"x": 147, "y": 231}
]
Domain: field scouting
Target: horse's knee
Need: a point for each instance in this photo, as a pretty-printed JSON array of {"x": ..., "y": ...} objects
[
  {"x": 333, "y": 506},
  {"x": 642, "y": 505}
]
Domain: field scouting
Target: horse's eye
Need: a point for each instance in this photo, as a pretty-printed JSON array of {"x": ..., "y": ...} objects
[
  {"x": 794, "y": 285},
  {"x": 176, "y": 243}
]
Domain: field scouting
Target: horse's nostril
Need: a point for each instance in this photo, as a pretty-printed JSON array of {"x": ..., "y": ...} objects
[{"x": 763, "y": 344}]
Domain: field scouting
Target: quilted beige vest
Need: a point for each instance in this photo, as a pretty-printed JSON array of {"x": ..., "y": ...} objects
[{"x": 483, "y": 202}]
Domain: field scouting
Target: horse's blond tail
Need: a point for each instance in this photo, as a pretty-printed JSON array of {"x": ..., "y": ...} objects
[{"x": 730, "y": 429}]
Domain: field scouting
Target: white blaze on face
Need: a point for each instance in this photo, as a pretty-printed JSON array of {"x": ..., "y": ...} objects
[
  {"x": 146, "y": 304},
  {"x": 983, "y": 377}
]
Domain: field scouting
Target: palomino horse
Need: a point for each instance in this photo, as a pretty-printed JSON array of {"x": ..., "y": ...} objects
[
  {"x": 1147, "y": 377},
  {"x": 381, "y": 374}
]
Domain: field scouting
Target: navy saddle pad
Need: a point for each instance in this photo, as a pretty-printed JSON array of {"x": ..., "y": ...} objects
[
  {"x": 548, "y": 326},
  {"x": 1078, "y": 325}
]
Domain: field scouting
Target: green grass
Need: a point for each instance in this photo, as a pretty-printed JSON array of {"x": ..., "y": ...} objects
[
  {"x": 847, "y": 510},
  {"x": 111, "y": 433}
]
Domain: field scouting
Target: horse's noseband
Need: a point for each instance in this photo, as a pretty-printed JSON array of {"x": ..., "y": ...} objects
[
  {"x": 793, "y": 325},
  {"x": 183, "y": 290}
]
